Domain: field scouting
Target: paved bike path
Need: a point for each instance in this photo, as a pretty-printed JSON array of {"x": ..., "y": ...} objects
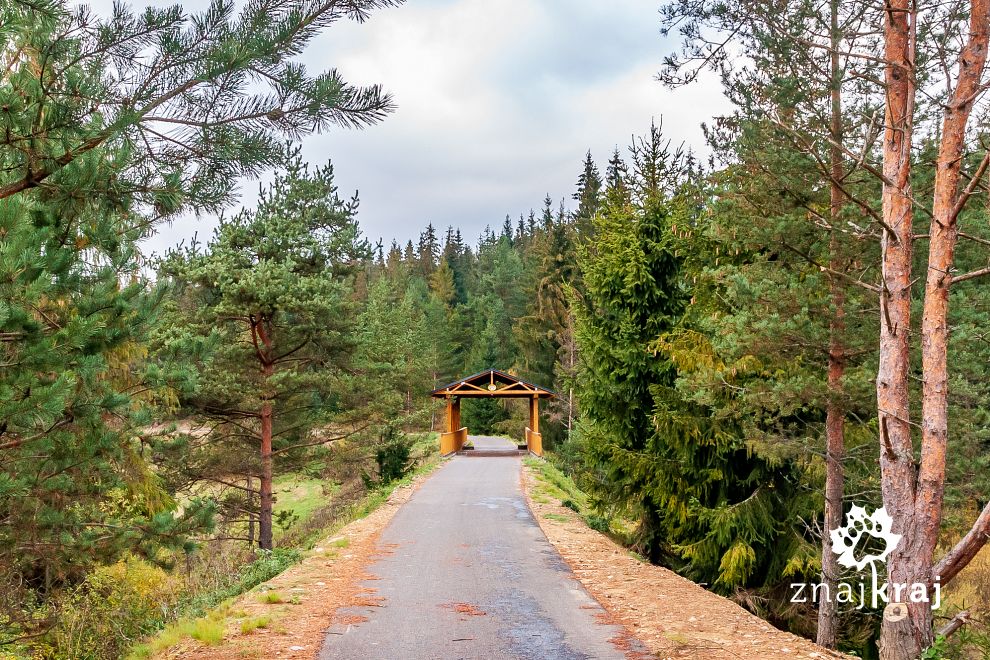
[{"x": 471, "y": 575}]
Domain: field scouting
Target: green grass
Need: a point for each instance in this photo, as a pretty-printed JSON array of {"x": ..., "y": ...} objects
[
  {"x": 555, "y": 516},
  {"x": 207, "y": 630},
  {"x": 301, "y": 495},
  {"x": 254, "y": 623},
  {"x": 271, "y": 598},
  {"x": 551, "y": 484}
]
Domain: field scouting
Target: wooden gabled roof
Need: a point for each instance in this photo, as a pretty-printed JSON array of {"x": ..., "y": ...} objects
[{"x": 492, "y": 382}]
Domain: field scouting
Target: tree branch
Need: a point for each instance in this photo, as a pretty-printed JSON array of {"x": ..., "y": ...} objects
[
  {"x": 826, "y": 269},
  {"x": 954, "y": 624},
  {"x": 321, "y": 441},
  {"x": 972, "y": 275},
  {"x": 963, "y": 552},
  {"x": 21, "y": 441}
]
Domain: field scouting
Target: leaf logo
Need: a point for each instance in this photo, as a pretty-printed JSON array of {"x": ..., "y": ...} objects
[{"x": 845, "y": 539}]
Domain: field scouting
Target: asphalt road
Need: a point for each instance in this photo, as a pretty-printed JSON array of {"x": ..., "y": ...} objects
[{"x": 471, "y": 575}]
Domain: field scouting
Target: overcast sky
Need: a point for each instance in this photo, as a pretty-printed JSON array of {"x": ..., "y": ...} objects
[{"x": 497, "y": 104}]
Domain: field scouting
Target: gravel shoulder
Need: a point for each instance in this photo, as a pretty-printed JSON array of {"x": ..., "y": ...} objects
[{"x": 674, "y": 617}]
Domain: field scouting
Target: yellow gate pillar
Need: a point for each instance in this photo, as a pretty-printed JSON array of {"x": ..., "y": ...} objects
[
  {"x": 534, "y": 441},
  {"x": 453, "y": 440}
]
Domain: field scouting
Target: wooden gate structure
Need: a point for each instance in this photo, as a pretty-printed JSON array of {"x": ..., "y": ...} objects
[{"x": 490, "y": 383}]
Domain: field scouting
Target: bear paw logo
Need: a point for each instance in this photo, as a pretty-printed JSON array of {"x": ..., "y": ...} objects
[{"x": 845, "y": 539}]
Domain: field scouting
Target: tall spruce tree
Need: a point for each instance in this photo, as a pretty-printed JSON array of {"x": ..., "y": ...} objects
[
  {"x": 706, "y": 504},
  {"x": 632, "y": 297},
  {"x": 391, "y": 361},
  {"x": 428, "y": 251},
  {"x": 587, "y": 195}
]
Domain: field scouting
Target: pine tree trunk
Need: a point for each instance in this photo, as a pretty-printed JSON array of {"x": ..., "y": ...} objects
[
  {"x": 265, "y": 517},
  {"x": 904, "y": 639},
  {"x": 835, "y": 413},
  {"x": 264, "y": 348},
  {"x": 834, "y": 475},
  {"x": 250, "y": 504},
  {"x": 914, "y": 499},
  {"x": 943, "y": 236}
]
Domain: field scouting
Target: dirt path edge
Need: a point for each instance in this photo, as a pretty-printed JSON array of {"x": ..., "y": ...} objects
[
  {"x": 672, "y": 616},
  {"x": 298, "y": 606}
]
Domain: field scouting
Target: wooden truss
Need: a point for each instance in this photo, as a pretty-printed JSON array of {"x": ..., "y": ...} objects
[{"x": 492, "y": 383}]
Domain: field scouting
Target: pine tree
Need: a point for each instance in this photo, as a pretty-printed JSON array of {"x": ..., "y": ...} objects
[
  {"x": 391, "y": 362},
  {"x": 182, "y": 104},
  {"x": 546, "y": 216},
  {"x": 442, "y": 283},
  {"x": 492, "y": 348},
  {"x": 632, "y": 297},
  {"x": 70, "y": 330},
  {"x": 807, "y": 85},
  {"x": 617, "y": 181},
  {"x": 544, "y": 333},
  {"x": 112, "y": 125},
  {"x": 272, "y": 287},
  {"x": 487, "y": 238},
  {"x": 457, "y": 259},
  {"x": 394, "y": 259},
  {"x": 506, "y": 234}
]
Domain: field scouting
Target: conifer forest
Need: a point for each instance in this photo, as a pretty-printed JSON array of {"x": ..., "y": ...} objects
[{"x": 747, "y": 341}]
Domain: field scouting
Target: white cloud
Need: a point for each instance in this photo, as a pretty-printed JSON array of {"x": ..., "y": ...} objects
[{"x": 497, "y": 103}]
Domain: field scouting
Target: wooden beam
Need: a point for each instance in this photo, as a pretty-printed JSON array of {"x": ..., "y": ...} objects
[
  {"x": 465, "y": 384},
  {"x": 534, "y": 414},
  {"x": 470, "y": 394},
  {"x": 515, "y": 387}
]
